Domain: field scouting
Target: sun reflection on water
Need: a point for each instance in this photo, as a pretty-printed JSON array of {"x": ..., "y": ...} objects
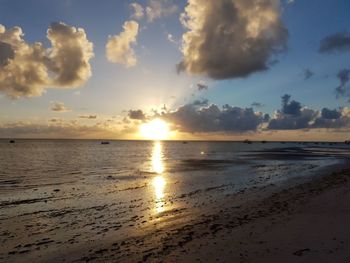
[
  {"x": 159, "y": 181},
  {"x": 157, "y": 158}
]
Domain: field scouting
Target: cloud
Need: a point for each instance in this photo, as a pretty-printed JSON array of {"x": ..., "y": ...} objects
[
  {"x": 231, "y": 38},
  {"x": 307, "y": 74},
  {"x": 203, "y": 102},
  {"x": 26, "y": 70},
  {"x": 119, "y": 48},
  {"x": 290, "y": 107},
  {"x": 257, "y": 105},
  {"x": 290, "y": 2},
  {"x": 57, "y": 128},
  {"x": 343, "y": 89},
  {"x": 171, "y": 38},
  {"x": 90, "y": 117},
  {"x": 292, "y": 116},
  {"x": 6, "y": 53},
  {"x": 202, "y": 86},
  {"x": 59, "y": 107},
  {"x": 136, "y": 115},
  {"x": 333, "y": 118},
  {"x": 336, "y": 43},
  {"x": 201, "y": 117},
  {"x": 160, "y": 8},
  {"x": 138, "y": 11}
]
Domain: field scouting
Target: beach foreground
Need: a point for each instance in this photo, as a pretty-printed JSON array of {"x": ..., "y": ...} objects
[
  {"x": 261, "y": 205},
  {"x": 306, "y": 223}
]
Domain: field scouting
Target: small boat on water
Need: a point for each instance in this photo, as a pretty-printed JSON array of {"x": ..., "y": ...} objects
[
  {"x": 104, "y": 142},
  {"x": 247, "y": 141},
  {"x": 12, "y": 141}
]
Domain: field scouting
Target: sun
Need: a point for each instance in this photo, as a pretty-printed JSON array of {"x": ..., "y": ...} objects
[{"x": 156, "y": 129}]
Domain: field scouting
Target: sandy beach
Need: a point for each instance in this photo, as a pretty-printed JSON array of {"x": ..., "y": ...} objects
[{"x": 288, "y": 203}]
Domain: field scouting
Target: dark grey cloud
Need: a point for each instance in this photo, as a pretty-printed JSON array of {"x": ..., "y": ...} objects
[
  {"x": 333, "y": 119},
  {"x": 290, "y": 107},
  {"x": 231, "y": 38},
  {"x": 201, "y": 86},
  {"x": 210, "y": 118},
  {"x": 88, "y": 117},
  {"x": 339, "y": 42},
  {"x": 136, "y": 115},
  {"x": 292, "y": 116},
  {"x": 6, "y": 53},
  {"x": 257, "y": 105},
  {"x": 291, "y": 122},
  {"x": 343, "y": 89},
  {"x": 203, "y": 102},
  {"x": 330, "y": 114},
  {"x": 307, "y": 73}
]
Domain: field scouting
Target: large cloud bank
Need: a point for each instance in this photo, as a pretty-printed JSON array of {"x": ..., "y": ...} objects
[
  {"x": 191, "y": 118},
  {"x": 26, "y": 70}
]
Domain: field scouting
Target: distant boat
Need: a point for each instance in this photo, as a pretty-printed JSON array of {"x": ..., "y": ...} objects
[
  {"x": 104, "y": 142},
  {"x": 347, "y": 142},
  {"x": 184, "y": 142},
  {"x": 12, "y": 141},
  {"x": 263, "y": 141},
  {"x": 247, "y": 141}
]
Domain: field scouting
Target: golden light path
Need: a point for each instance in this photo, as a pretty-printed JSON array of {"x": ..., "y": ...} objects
[{"x": 159, "y": 182}]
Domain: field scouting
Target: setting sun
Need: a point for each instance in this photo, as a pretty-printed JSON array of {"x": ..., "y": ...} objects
[{"x": 156, "y": 129}]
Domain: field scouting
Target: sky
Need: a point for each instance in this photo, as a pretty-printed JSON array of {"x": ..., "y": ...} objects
[{"x": 216, "y": 70}]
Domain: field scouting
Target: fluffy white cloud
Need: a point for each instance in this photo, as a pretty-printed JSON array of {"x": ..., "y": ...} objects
[
  {"x": 138, "y": 11},
  {"x": 26, "y": 70},
  {"x": 119, "y": 48},
  {"x": 160, "y": 8},
  {"x": 231, "y": 38},
  {"x": 59, "y": 107}
]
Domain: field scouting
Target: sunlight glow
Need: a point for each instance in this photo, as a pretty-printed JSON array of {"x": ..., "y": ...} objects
[{"x": 156, "y": 129}]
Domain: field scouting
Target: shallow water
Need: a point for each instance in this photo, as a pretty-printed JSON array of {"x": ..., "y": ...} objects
[{"x": 63, "y": 193}]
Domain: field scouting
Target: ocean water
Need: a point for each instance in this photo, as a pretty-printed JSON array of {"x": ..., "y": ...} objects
[{"x": 67, "y": 192}]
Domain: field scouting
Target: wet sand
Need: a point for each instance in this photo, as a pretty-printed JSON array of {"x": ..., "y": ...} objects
[{"x": 304, "y": 223}]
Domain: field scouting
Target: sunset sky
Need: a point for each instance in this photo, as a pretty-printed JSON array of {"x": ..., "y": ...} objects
[{"x": 223, "y": 69}]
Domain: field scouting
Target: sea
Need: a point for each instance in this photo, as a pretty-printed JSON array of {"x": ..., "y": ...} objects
[{"x": 62, "y": 193}]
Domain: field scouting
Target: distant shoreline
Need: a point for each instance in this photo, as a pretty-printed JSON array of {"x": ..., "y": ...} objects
[{"x": 142, "y": 140}]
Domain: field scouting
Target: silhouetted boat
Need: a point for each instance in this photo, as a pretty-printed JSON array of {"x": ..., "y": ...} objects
[
  {"x": 184, "y": 142},
  {"x": 12, "y": 141},
  {"x": 347, "y": 142},
  {"x": 247, "y": 141},
  {"x": 105, "y": 142},
  {"x": 263, "y": 141}
]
